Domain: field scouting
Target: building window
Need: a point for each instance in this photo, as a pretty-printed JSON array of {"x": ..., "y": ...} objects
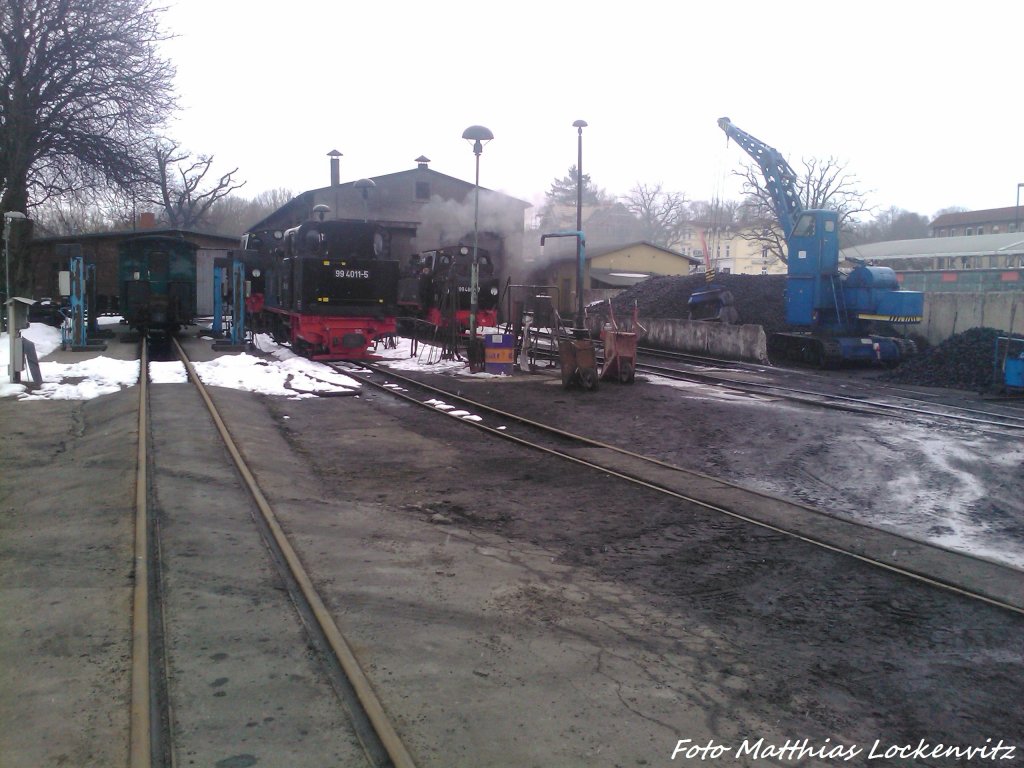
[
  {"x": 970, "y": 231},
  {"x": 981, "y": 230},
  {"x": 727, "y": 251},
  {"x": 422, "y": 190}
]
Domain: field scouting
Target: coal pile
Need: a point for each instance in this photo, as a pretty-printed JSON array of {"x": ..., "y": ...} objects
[
  {"x": 759, "y": 299},
  {"x": 964, "y": 361}
]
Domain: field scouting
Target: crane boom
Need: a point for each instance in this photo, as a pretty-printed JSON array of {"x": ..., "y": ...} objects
[{"x": 778, "y": 176}]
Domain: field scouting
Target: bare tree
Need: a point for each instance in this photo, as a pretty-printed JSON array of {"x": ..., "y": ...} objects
[
  {"x": 890, "y": 224},
  {"x": 82, "y": 86},
  {"x": 178, "y": 180},
  {"x": 71, "y": 215},
  {"x": 717, "y": 213},
  {"x": 822, "y": 184},
  {"x": 234, "y": 215},
  {"x": 664, "y": 214}
]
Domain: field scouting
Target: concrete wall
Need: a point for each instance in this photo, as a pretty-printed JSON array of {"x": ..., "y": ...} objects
[
  {"x": 947, "y": 314},
  {"x": 734, "y": 342}
]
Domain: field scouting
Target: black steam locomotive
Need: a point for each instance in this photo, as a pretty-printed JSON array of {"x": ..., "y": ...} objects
[
  {"x": 327, "y": 288},
  {"x": 435, "y": 286}
]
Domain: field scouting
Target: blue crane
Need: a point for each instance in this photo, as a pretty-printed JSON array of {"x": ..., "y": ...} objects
[{"x": 840, "y": 311}]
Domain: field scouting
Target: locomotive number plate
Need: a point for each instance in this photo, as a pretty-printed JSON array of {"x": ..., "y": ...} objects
[{"x": 358, "y": 274}]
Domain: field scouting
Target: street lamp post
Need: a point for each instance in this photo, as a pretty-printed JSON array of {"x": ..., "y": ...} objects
[
  {"x": 14, "y": 364},
  {"x": 478, "y": 136},
  {"x": 579, "y": 125}
]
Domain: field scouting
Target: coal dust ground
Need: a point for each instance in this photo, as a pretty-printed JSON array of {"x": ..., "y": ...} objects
[{"x": 822, "y": 645}]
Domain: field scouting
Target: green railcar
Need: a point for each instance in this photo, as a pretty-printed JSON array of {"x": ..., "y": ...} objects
[{"x": 157, "y": 282}]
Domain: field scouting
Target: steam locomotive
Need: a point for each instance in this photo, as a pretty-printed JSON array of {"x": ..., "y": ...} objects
[
  {"x": 327, "y": 288},
  {"x": 436, "y": 286}
]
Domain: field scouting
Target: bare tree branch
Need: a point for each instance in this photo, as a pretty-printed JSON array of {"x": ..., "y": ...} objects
[
  {"x": 82, "y": 86},
  {"x": 664, "y": 214},
  {"x": 822, "y": 184},
  {"x": 177, "y": 184}
]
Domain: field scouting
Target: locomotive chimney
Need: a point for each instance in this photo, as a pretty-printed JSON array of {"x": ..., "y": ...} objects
[{"x": 335, "y": 167}]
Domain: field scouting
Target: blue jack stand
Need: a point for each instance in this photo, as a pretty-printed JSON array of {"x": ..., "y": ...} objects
[
  {"x": 236, "y": 333},
  {"x": 74, "y": 334}
]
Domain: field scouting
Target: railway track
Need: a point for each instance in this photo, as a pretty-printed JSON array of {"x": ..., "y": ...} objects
[
  {"x": 978, "y": 578},
  {"x": 725, "y": 374},
  {"x": 202, "y": 570},
  {"x": 893, "y": 400},
  {"x": 891, "y": 406}
]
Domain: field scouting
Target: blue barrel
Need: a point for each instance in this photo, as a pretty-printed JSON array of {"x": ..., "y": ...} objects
[{"x": 499, "y": 353}]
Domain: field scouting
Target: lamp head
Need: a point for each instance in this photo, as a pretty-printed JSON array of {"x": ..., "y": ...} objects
[
  {"x": 364, "y": 186},
  {"x": 478, "y": 135}
]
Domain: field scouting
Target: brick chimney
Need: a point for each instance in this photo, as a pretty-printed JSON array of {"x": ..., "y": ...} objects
[
  {"x": 147, "y": 220},
  {"x": 335, "y": 167}
]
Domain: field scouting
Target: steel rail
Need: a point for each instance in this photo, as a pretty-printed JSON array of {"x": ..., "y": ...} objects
[
  {"x": 1006, "y": 420},
  {"x": 140, "y": 742},
  {"x": 890, "y": 567},
  {"x": 371, "y": 704},
  {"x": 839, "y": 402}
]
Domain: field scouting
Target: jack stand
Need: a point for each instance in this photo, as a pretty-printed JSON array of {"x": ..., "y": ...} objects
[
  {"x": 236, "y": 342},
  {"x": 75, "y": 331}
]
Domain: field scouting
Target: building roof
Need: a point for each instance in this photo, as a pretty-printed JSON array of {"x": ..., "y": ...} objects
[
  {"x": 618, "y": 278},
  {"x": 604, "y": 250},
  {"x": 302, "y": 200},
  {"x": 1010, "y": 243},
  {"x": 229, "y": 241},
  {"x": 976, "y": 217}
]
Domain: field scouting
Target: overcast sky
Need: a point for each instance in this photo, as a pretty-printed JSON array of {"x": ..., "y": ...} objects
[{"x": 920, "y": 101}]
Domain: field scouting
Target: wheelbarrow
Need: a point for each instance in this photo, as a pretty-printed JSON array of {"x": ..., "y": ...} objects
[
  {"x": 619, "y": 350},
  {"x": 578, "y": 360}
]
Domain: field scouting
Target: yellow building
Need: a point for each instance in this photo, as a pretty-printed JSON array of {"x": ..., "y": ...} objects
[
  {"x": 609, "y": 269},
  {"x": 731, "y": 251}
]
